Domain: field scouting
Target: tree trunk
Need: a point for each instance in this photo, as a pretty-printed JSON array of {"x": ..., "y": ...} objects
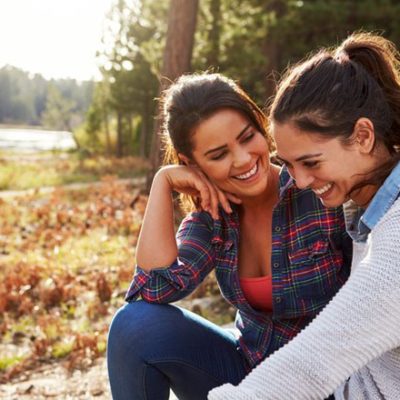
[
  {"x": 176, "y": 61},
  {"x": 119, "y": 135},
  {"x": 272, "y": 45},
  {"x": 214, "y": 34},
  {"x": 145, "y": 130},
  {"x": 130, "y": 139},
  {"x": 107, "y": 132},
  {"x": 142, "y": 138},
  {"x": 104, "y": 115}
]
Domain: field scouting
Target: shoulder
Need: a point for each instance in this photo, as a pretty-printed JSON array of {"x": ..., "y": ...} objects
[
  {"x": 383, "y": 243},
  {"x": 390, "y": 222}
]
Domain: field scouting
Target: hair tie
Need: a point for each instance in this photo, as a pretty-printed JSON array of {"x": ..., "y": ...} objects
[{"x": 342, "y": 57}]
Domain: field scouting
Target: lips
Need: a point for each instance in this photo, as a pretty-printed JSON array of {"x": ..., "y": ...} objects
[
  {"x": 248, "y": 174},
  {"x": 320, "y": 191}
]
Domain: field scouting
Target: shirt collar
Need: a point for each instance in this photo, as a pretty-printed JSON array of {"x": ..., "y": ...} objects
[
  {"x": 382, "y": 201},
  {"x": 285, "y": 181}
]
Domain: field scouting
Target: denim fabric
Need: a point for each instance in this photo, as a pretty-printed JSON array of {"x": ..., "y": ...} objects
[
  {"x": 382, "y": 201},
  {"x": 153, "y": 347},
  {"x": 359, "y": 222}
]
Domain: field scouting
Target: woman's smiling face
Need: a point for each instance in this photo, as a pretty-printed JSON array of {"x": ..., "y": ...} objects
[
  {"x": 325, "y": 165},
  {"x": 232, "y": 153}
]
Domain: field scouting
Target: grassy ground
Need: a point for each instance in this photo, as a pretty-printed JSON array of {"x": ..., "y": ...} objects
[
  {"x": 34, "y": 170},
  {"x": 66, "y": 260}
]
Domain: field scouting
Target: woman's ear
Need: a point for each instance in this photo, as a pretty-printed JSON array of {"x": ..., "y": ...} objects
[
  {"x": 185, "y": 160},
  {"x": 364, "y": 135}
]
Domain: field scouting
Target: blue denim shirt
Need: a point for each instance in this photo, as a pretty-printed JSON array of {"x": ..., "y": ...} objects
[{"x": 359, "y": 221}]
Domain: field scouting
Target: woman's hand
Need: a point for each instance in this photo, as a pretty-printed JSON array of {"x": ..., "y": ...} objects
[
  {"x": 158, "y": 220},
  {"x": 192, "y": 181}
]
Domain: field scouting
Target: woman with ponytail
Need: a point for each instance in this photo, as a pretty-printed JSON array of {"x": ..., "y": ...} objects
[{"x": 336, "y": 122}]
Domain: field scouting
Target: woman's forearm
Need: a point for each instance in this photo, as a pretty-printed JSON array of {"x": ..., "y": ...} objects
[{"x": 156, "y": 245}]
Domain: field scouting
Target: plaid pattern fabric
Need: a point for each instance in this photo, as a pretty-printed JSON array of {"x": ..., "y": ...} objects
[{"x": 311, "y": 255}]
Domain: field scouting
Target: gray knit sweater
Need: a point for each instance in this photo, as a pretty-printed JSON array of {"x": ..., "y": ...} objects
[{"x": 356, "y": 335}]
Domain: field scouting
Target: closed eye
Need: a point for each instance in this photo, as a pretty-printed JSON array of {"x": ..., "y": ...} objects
[
  {"x": 311, "y": 164},
  {"x": 248, "y": 137},
  {"x": 219, "y": 156}
]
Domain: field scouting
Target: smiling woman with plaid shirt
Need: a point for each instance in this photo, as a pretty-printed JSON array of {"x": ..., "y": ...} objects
[{"x": 279, "y": 255}]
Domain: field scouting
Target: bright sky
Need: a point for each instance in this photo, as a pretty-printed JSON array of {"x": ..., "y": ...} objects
[{"x": 56, "y": 38}]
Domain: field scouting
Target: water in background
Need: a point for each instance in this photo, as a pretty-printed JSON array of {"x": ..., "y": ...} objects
[{"x": 36, "y": 140}]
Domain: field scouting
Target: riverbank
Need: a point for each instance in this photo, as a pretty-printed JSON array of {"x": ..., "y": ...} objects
[{"x": 36, "y": 170}]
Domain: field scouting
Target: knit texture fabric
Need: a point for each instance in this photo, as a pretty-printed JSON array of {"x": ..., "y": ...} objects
[{"x": 356, "y": 335}]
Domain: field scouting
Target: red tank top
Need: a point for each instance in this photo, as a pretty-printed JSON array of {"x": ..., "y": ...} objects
[{"x": 258, "y": 292}]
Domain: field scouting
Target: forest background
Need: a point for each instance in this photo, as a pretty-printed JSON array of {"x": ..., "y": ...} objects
[
  {"x": 67, "y": 254},
  {"x": 251, "y": 41}
]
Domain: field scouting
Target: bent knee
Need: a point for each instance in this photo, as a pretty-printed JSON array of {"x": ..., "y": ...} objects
[{"x": 136, "y": 321}]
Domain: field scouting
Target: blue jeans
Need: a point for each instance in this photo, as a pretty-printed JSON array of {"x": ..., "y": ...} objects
[{"x": 153, "y": 348}]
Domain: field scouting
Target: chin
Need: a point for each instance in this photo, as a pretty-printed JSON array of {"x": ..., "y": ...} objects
[{"x": 332, "y": 203}]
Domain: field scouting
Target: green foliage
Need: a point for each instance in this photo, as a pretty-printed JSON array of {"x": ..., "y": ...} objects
[
  {"x": 24, "y": 96},
  {"x": 62, "y": 349},
  {"x": 132, "y": 46},
  {"x": 58, "y": 112},
  {"x": 17, "y": 101},
  {"x": 8, "y": 362},
  {"x": 252, "y": 41},
  {"x": 258, "y": 37}
]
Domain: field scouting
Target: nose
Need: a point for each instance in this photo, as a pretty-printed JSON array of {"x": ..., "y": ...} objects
[
  {"x": 241, "y": 158},
  {"x": 302, "y": 178}
]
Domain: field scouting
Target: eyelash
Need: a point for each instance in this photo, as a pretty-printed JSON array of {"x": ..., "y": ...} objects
[
  {"x": 244, "y": 140},
  {"x": 219, "y": 156},
  {"x": 248, "y": 137},
  {"x": 311, "y": 164},
  {"x": 307, "y": 164}
]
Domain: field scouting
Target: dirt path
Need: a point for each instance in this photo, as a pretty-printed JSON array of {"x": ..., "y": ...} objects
[
  {"x": 53, "y": 382},
  {"x": 6, "y": 194}
]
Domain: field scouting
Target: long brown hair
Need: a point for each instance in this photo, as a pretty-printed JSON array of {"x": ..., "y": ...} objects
[{"x": 330, "y": 91}]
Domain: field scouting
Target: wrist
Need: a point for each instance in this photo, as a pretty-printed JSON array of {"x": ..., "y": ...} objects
[{"x": 162, "y": 179}]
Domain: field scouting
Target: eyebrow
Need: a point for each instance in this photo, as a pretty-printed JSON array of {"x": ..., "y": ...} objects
[
  {"x": 302, "y": 158},
  {"x": 241, "y": 133}
]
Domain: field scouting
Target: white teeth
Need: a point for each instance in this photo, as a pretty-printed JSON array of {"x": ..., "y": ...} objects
[
  {"x": 323, "y": 189},
  {"x": 249, "y": 174}
]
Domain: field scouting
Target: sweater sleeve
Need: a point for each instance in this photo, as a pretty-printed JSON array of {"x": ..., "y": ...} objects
[{"x": 359, "y": 324}]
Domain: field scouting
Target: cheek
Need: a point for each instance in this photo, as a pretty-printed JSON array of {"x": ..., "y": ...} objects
[
  {"x": 261, "y": 145},
  {"x": 218, "y": 172}
]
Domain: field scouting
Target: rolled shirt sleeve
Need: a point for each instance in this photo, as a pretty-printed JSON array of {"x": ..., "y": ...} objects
[{"x": 196, "y": 258}]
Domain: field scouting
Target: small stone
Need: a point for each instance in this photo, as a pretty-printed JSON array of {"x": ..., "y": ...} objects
[{"x": 25, "y": 388}]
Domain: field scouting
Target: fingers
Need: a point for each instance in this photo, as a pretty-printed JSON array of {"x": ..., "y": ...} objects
[
  {"x": 212, "y": 201},
  {"x": 217, "y": 197},
  {"x": 233, "y": 198},
  {"x": 223, "y": 200},
  {"x": 193, "y": 181}
]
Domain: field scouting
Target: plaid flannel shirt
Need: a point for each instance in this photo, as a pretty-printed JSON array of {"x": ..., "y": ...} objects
[{"x": 311, "y": 256}]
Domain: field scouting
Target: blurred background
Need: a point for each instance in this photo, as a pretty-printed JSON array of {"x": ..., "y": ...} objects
[{"x": 79, "y": 82}]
